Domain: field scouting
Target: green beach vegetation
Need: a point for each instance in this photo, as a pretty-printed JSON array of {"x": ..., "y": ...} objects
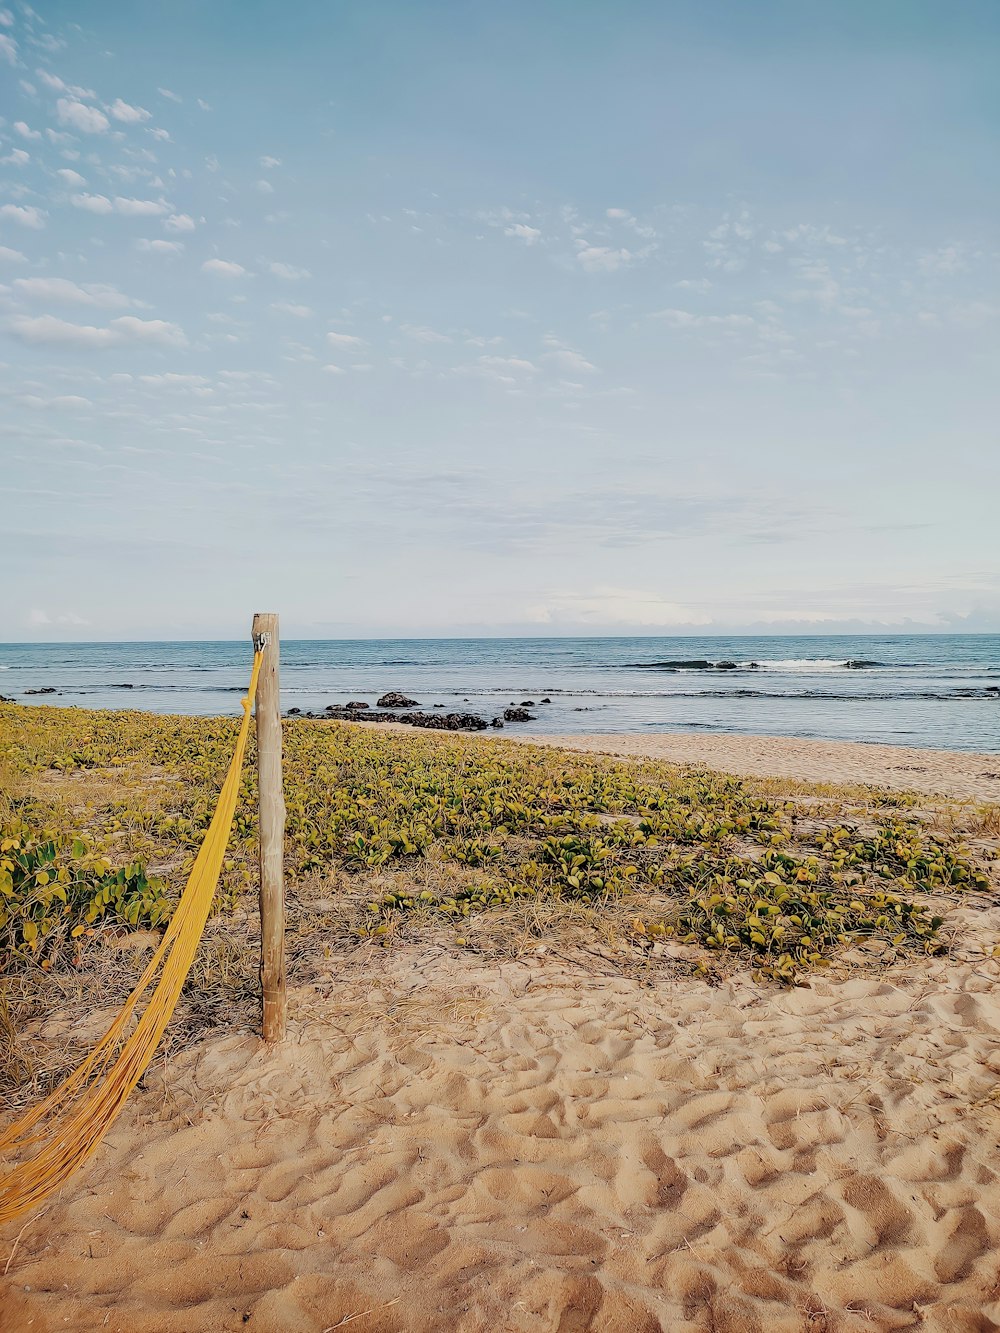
[{"x": 103, "y": 813}]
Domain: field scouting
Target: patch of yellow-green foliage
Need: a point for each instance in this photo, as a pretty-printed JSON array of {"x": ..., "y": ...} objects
[
  {"x": 698, "y": 858},
  {"x": 53, "y": 885}
]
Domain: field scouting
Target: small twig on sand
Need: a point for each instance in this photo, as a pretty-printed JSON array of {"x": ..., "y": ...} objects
[
  {"x": 13, "y": 1250},
  {"x": 360, "y": 1314}
]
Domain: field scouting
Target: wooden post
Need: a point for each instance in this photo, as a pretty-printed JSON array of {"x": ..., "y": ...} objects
[{"x": 271, "y": 815}]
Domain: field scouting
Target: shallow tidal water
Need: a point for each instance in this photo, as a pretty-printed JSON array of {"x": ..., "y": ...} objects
[{"x": 939, "y": 691}]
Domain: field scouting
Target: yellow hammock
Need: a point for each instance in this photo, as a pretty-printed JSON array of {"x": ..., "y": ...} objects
[{"x": 81, "y": 1110}]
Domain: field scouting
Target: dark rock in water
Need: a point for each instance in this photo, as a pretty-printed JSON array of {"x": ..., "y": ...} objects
[
  {"x": 439, "y": 705},
  {"x": 546, "y": 701},
  {"x": 294, "y": 712},
  {"x": 859, "y": 664},
  {"x": 496, "y": 723},
  {"x": 445, "y": 721},
  {"x": 517, "y": 715},
  {"x": 686, "y": 664},
  {"x": 527, "y": 703},
  {"x": 395, "y": 700},
  {"x": 675, "y": 664},
  {"x": 5, "y": 700},
  {"x": 438, "y": 721},
  {"x": 356, "y": 703},
  {"x": 46, "y": 689}
]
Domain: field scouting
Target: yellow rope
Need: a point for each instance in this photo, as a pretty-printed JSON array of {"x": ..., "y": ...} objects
[{"x": 82, "y": 1109}]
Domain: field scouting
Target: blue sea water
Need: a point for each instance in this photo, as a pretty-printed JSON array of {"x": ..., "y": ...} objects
[{"x": 941, "y": 691}]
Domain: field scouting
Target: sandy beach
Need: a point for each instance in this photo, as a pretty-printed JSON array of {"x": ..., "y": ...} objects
[
  {"x": 954, "y": 773},
  {"x": 561, "y": 1142},
  {"x": 539, "y": 1148}
]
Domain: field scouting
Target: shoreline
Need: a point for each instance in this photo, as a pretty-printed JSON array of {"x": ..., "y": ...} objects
[{"x": 961, "y": 775}]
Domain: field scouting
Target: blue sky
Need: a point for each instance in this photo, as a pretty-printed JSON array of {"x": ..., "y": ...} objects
[{"x": 460, "y": 318}]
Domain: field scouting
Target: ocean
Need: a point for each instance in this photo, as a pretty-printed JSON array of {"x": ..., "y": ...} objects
[{"x": 940, "y": 691}]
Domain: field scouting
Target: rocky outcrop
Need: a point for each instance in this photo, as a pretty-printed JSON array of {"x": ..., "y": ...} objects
[
  {"x": 439, "y": 721},
  {"x": 395, "y": 700},
  {"x": 517, "y": 715},
  {"x": 46, "y": 689},
  {"x": 356, "y": 703}
]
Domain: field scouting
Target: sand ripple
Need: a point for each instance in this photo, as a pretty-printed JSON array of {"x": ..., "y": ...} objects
[{"x": 505, "y": 1148}]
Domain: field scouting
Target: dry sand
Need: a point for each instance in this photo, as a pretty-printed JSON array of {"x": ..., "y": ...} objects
[
  {"x": 964, "y": 776},
  {"x": 455, "y": 1146},
  {"x": 445, "y": 1144}
]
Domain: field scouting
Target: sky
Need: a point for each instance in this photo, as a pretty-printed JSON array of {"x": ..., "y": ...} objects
[{"x": 459, "y": 318}]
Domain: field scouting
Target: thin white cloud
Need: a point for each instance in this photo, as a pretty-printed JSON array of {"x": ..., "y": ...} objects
[
  {"x": 203, "y": 105},
  {"x": 71, "y": 402},
  {"x": 84, "y": 119},
  {"x": 141, "y": 208},
  {"x": 156, "y": 331},
  {"x": 172, "y": 380},
  {"x": 224, "y": 268},
  {"x": 17, "y": 157},
  {"x": 508, "y": 363},
  {"x": 179, "y": 222},
  {"x": 571, "y": 362},
  {"x": 286, "y": 308},
  {"x": 525, "y": 233},
  {"x": 268, "y": 162},
  {"x": 419, "y": 333},
  {"x": 93, "y": 203},
  {"x": 24, "y": 214},
  {"x": 25, "y": 131},
  {"x": 39, "y": 618},
  {"x": 171, "y": 97},
  {"x": 158, "y": 247},
  {"x": 71, "y": 177},
  {"x": 624, "y": 216},
  {"x": 8, "y": 49},
  {"x": 56, "y": 85},
  {"x": 601, "y": 258},
  {"x": 128, "y": 115},
  {"x": 47, "y": 329},
  {"x": 609, "y": 605},
  {"x": 12, "y": 256},
  {"x": 265, "y": 187},
  {"x": 686, "y": 319},
  {"x": 289, "y": 272},
  {"x": 347, "y": 340},
  {"x": 63, "y": 291}
]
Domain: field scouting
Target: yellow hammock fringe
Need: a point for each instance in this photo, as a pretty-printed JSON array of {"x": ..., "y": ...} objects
[{"x": 83, "y": 1108}]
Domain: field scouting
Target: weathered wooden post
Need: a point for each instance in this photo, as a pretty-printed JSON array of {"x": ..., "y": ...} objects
[{"x": 271, "y": 818}]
